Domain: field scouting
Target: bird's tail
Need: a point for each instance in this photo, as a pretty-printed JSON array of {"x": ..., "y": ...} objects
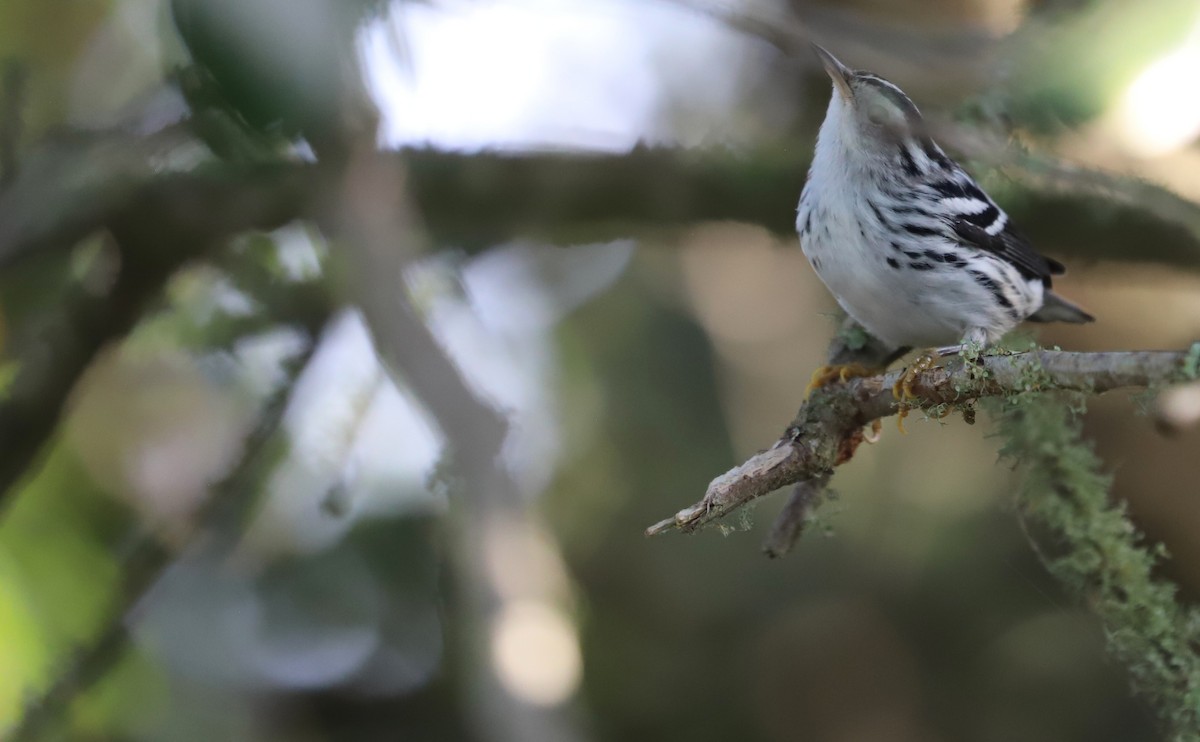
[{"x": 1057, "y": 309}]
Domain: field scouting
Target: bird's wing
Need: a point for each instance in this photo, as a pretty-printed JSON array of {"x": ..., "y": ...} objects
[
  {"x": 978, "y": 222},
  {"x": 1010, "y": 245}
]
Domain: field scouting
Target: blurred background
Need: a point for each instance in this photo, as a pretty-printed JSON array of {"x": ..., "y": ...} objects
[{"x": 224, "y": 518}]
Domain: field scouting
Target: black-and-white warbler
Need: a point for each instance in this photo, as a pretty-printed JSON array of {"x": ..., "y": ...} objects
[{"x": 907, "y": 242}]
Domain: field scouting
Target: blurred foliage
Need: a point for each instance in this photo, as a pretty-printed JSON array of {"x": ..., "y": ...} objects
[
  {"x": 286, "y": 66},
  {"x": 1068, "y": 66},
  {"x": 49, "y": 38},
  {"x": 59, "y": 545}
]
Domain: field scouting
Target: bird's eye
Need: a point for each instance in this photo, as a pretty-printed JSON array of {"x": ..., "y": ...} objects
[{"x": 877, "y": 114}]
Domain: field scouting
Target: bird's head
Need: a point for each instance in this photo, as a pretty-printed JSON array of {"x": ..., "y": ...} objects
[{"x": 867, "y": 110}]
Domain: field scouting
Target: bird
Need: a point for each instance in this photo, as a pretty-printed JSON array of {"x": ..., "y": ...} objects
[{"x": 910, "y": 246}]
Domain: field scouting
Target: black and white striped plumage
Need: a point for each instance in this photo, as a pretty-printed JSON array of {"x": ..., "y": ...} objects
[{"x": 903, "y": 237}]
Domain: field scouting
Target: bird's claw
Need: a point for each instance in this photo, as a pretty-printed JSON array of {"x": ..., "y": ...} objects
[
  {"x": 826, "y": 375},
  {"x": 876, "y": 431},
  {"x": 902, "y": 390}
]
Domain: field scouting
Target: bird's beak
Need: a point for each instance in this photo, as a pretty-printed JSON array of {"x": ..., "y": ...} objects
[{"x": 838, "y": 72}]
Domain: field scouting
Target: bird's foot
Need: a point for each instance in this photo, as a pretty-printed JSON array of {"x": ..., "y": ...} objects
[
  {"x": 826, "y": 375},
  {"x": 902, "y": 390}
]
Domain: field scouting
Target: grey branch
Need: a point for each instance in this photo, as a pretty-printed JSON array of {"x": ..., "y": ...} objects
[
  {"x": 829, "y": 426},
  {"x": 800, "y": 510},
  {"x": 565, "y": 198},
  {"x": 850, "y": 345},
  {"x": 382, "y": 235}
]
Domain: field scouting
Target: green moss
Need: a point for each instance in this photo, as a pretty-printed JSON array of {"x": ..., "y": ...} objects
[
  {"x": 1034, "y": 377},
  {"x": 1191, "y": 364},
  {"x": 854, "y": 337},
  {"x": 1094, "y": 549}
]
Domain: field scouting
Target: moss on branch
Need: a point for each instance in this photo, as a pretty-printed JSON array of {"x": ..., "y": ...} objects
[{"x": 1088, "y": 542}]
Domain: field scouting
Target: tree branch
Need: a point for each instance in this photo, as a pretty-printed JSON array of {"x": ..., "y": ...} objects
[
  {"x": 797, "y": 513},
  {"x": 382, "y": 235},
  {"x": 574, "y": 198},
  {"x": 829, "y": 426}
]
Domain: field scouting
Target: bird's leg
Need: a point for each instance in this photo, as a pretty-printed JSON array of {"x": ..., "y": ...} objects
[
  {"x": 972, "y": 343},
  {"x": 826, "y": 375}
]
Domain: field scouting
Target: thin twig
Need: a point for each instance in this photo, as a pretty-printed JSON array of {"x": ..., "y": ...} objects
[
  {"x": 382, "y": 235},
  {"x": 799, "y": 511}
]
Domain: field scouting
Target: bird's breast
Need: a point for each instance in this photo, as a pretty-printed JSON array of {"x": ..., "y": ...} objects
[{"x": 884, "y": 284}]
